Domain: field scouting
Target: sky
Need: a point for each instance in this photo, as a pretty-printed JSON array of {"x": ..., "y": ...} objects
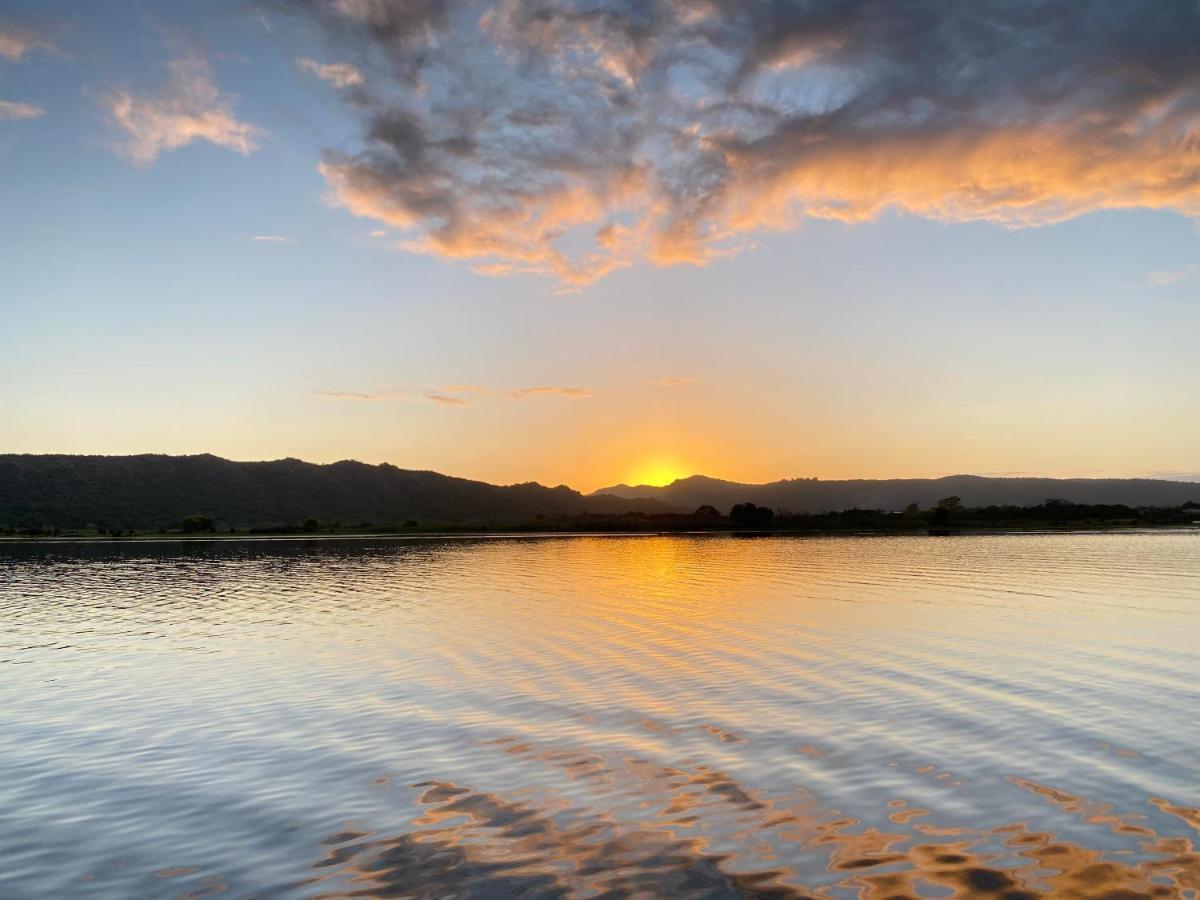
[{"x": 595, "y": 241}]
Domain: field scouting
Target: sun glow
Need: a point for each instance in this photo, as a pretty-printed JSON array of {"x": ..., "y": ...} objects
[{"x": 657, "y": 472}]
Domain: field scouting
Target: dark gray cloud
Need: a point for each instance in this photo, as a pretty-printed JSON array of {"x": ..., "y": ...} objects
[{"x": 571, "y": 137}]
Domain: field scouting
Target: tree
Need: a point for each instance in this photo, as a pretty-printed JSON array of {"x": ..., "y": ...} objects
[
  {"x": 197, "y": 524},
  {"x": 743, "y": 513},
  {"x": 944, "y": 510},
  {"x": 748, "y": 515},
  {"x": 707, "y": 512}
]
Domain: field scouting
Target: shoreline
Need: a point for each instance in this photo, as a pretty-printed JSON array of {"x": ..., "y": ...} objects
[{"x": 155, "y": 538}]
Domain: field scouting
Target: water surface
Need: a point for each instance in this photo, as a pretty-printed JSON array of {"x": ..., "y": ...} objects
[{"x": 999, "y": 716}]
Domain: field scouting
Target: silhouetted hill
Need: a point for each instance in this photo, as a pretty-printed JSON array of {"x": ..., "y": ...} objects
[
  {"x": 809, "y": 495},
  {"x": 154, "y": 491}
]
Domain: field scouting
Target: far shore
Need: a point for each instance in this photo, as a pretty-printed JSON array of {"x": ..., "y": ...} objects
[
  {"x": 948, "y": 516},
  {"x": 153, "y": 537}
]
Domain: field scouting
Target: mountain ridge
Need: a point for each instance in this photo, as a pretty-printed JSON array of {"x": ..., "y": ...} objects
[
  {"x": 813, "y": 495},
  {"x": 156, "y": 491}
]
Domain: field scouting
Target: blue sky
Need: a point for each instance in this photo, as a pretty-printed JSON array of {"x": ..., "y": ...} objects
[{"x": 141, "y": 315}]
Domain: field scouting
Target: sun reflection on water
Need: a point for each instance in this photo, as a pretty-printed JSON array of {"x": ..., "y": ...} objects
[{"x": 709, "y": 716}]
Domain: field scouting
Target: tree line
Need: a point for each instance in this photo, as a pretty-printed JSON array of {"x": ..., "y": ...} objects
[{"x": 947, "y": 513}]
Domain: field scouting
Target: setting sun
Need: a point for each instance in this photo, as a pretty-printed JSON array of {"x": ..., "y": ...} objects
[{"x": 657, "y": 472}]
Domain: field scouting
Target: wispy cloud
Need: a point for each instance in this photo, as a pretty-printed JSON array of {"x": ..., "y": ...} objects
[
  {"x": 14, "y": 110},
  {"x": 573, "y": 393},
  {"x": 16, "y": 42},
  {"x": 1166, "y": 277},
  {"x": 445, "y": 400},
  {"x": 340, "y": 75},
  {"x": 443, "y": 396},
  {"x": 389, "y": 394},
  {"x": 188, "y": 108},
  {"x": 450, "y": 394},
  {"x": 556, "y": 137},
  {"x": 273, "y": 239},
  {"x": 377, "y": 233},
  {"x": 671, "y": 382}
]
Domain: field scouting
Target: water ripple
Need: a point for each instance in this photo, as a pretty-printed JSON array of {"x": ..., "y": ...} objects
[{"x": 999, "y": 716}]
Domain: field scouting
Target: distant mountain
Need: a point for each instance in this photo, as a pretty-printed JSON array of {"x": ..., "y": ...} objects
[
  {"x": 809, "y": 495},
  {"x": 154, "y": 491}
]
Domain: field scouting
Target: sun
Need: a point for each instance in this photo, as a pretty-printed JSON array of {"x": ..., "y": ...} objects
[{"x": 657, "y": 472}]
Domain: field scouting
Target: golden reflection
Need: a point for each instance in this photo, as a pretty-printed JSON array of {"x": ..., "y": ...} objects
[
  {"x": 699, "y": 832},
  {"x": 471, "y": 843}
]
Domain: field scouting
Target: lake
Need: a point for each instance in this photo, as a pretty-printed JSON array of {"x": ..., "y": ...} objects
[{"x": 711, "y": 716}]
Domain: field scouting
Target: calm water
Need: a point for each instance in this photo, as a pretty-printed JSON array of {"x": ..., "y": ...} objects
[{"x": 602, "y": 717}]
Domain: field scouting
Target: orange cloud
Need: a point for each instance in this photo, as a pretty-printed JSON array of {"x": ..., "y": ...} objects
[
  {"x": 573, "y": 393},
  {"x": 671, "y": 382},
  {"x": 519, "y": 239},
  {"x": 349, "y": 395},
  {"x": 445, "y": 400},
  {"x": 1016, "y": 176},
  {"x": 443, "y": 396},
  {"x": 188, "y": 108},
  {"x": 393, "y": 393}
]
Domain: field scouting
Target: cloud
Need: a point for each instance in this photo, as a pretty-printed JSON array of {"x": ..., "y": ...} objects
[
  {"x": 446, "y": 395},
  {"x": 347, "y": 395},
  {"x": 340, "y": 75},
  {"x": 573, "y": 393},
  {"x": 377, "y": 233},
  {"x": 388, "y": 394},
  {"x": 443, "y": 396},
  {"x": 1167, "y": 277},
  {"x": 188, "y": 108},
  {"x": 273, "y": 239},
  {"x": 16, "y": 42},
  {"x": 671, "y": 382},
  {"x": 14, "y": 110},
  {"x": 571, "y": 138},
  {"x": 444, "y": 400}
]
